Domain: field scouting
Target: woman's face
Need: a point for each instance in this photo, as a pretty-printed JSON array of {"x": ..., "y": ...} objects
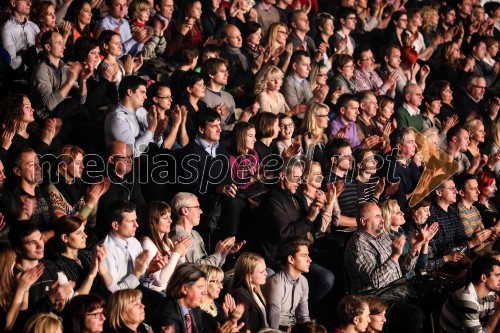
[
  {"x": 398, "y": 217},
  {"x": 244, "y": 5},
  {"x": 276, "y": 128},
  {"x": 489, "y": 191},
  {"x": 214, "y": 287},
  {"x": 259, "y": 274},
  {"x": 315, "y": 177},
  {"x": 215, "y": 4},
  {"x": 281, "y": 34},
  {"x": 402, "y": 22},
  {"x": 164, "y": 223},
  {"x": 416, "y": 20},
  {"x": 377, "y": 322},
  {"x": 194, "y": 293},
  {"x": 49, "y": 20},
  {"x": 75, "y": 168},
  {"x": 435, "y": 107},
  {"x": 422, "y": 214},
  {"x": 77, "y": 239},
  {"x": 250, "y": 139},
  {"x": 143, "y": 15},
  {"x": 164, "y": 98},
  {"x": 479, "y": 134},
  {"x": 28, "y": 111},
  {"x": 94, "y": 321},
  {"x": 447, "y": 95},
  {"x": 134, "y": 312},
  {"x": 434, "y": 20},
  {"x": 85, "y": 15},
  {"x": 348, "y": 70},
  {"x": 493, "y": 50},
  {"x": 198, "y": 89},
  {"x": 321, "y": 77},
  {"x": 93, "y": 57},
  {"x": 286, "y": 128},
  {"x": 387, "y": 111},
  {"x": 328, "y": 27},
  {"x": 322, "y": 118},
  {"x": 255, "y": 38},
  {"x": 275, "y": 84},
  {"x": 195, "y": 11},
  {"x": 480, "y": 16},
  {"x": 115, "y": 46},
  {"x": 455, "y": 51}
]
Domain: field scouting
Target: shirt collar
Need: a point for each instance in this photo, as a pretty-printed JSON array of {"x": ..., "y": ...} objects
[
  {"x": 122, "y": 244},
  {"x": 205, "y": 144},
  {"x": 296, "y": 80},
  {"x": 411, "y": 111},
  {"x": 290, "y": 277},
  {"x": 115, "y": 21},
  {"x": 120, "y": 107}
]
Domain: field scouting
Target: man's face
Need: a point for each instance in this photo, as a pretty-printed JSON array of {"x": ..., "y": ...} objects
[
  {"x": 211, "y": 132},
  {"x": 394, "y": 60},
  {"x": 363, "y": 320},
  {"x": 447, "y": 192},
  {"x": 221, "y": 76},
  {"x": 30, "y": 170},
  {"x": 471, "y": 193},
  {"x": 137, "y": 97},
  {"x": 22, "y": 7},
  {"x": 301, "y": 260},
  {"x": 122, "y": 158},
  {"x": 128, "y": 225},
  {"x": 477, "y": 88},
  {"x": 415, "y": 97},
  {"x": 292, "y": 180},
  {"x": 367, "y": 61},
  {"x": 303, "y": 67},
  {"x": 345, "y": 159},
  {"x": 370, "y": 106},
  {"x": 118, "y": 9},
  {"x": 408, "y": 148},
  {"x": 480, "y": 51},
  {"x": 465, "y": 7},
  {"x": 234, "y": 37},
  {"x": 373, "y": 223},
  {"x": 349, "y": 22},
  {"x": 193, "y": 211},
  {"x": 301, "y": 23},
  {"x": 462, "y": 140},
  {"x": 492, "y": 282},
  {"x": 449, "y": 18},
  {"x": 33, "y": 246},
  {"x": 167, "y": 8},
  {"x": 56, "y": 47},
  {"x": 351, "y": 112}
]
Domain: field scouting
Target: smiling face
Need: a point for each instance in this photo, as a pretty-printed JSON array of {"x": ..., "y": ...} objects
[
  {"x": 143, "y": 15},
  {"x": 195, "y": 11},
  {"x": 397, "y": 217},
  {"x": 233, "y": 37},
  {"x": 164, "y": 98},
  {"x": 322, "y": 118},
  {"x": 33, "y": 246},
  {"x": 327, "y": 28},
  {"x": 377, "y": 322},
  {"x": 347, "y": 70},
  {"x": 164, "y": 223},
  {"x": 315, "y": 177},
  {"x": 255, "y": 38},
  {"x": 214, "y": 286},
  {"x": 367, "y": 62},
  {"x": 286, "y": 128},
  {"x": 114, "y": 47},
  {"x": 56, "y": 46},
  {"x": 477, "y": 88}
]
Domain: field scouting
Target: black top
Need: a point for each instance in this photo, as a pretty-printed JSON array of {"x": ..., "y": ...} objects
[
  {"x": 252, "y": 316},
  {"x": 210, "y": 323},
  {"x": 169, "y": 312}
]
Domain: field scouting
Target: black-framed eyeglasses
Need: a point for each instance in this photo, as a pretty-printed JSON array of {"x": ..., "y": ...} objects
[
  {"x": 123, "y": 157},
  {"x": 165, "y": 97},
  {"x": 197, "y": 207},
  {"x": 479, "y": 87},
  {"x": 96, "y": 315}
]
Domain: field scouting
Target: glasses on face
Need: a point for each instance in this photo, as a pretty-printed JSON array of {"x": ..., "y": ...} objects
[
  {"x": 283, "y": 32},
  {"x": 479, "y": 87},
  {"x": 216, "y": 282},
  {"x": 165, "y": 97},
  {"x": 122, "y": 157},
  {"x": 322, "y": 115},
  {"x": 287, "y": 126},
  {"x": 96, "y": 315},
  {"x": 197, "y": 207}
]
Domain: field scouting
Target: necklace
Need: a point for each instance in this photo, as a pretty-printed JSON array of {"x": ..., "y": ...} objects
[
  {"x": 308, "y": 196},
  {"x": 210, "y": 309}
]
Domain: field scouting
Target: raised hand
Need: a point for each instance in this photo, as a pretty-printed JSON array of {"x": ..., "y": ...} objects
[
  {"x": 26, "y": 279},
  {"x": 49, "y": 130},
  {"x": 182, "y": 246},
  {"x": 229, "y": 305},
  {"x": 224, "y": 246}
]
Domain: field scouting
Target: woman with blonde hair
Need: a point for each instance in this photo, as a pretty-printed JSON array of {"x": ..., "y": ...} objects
[
  {"x": 477, "y": 135},
  {"x": 430, "y": 20},
  {"x": 44, "y": 323},
  {"x": 278, "y": 52},
  {"x": 313, "y": 130},
  {"x": 318, "y": 74},
  {"x": 125, "y": 311},
  {"x": 494, "y": 146},
  {"x": 249, "y": 274}
]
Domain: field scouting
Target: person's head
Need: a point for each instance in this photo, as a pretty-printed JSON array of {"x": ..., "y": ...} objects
[
  {"x": 430, "y": 17},
  {"x": 53, "y": 44},
  {"x": 318, "y": 74},
  {"x": 266, "y": 125},
  {"x": 69, "y": 163},
  {"x": 193, "y": 85},
  {"x": 300, "y": 64},
  {"x": 409, "y": 57},
  {"x": 414, "y": 17},
  {"x": 186, "y": 206},
  {"x": 299, "y": 21},
  {"x": 187, "y": 285},
  {"x": 208, "y": 124},
  {"x": 465, "y": 7},
  {"x": 385, "y": 107},
  {"x": 492, "y": 8},
  {"x": 187, "y": 55},
  {"x": 87, "y": 50},
  {"x": 475, "y": 127},
  {"x": 191, "y": 9},
  {"x": 420, "y": 212},
  {"x": 450, "y": 53},
  {"x": 346, "y": 19},
  {"x": 7, "y": 280},
  {"x": 369, "y": 218},
  {"x": 447, "y": 15},
  {"x": 458, "y": 137},
  {"x": 110, "y": 43},
  {"x": 348, "y": 106},
  {"x": 485, "y": 271},
  {"x": 159, "y": 224},
  {"x": 139, "y": 10},
  {"x": 26, "y": 239},
  {"x": 26, "y": 167},
  {"x": 119, "y": 155},
  {"x": 215, "y": 279},
  {"x": 487, "y": 184},
  {"x": 392, "y": 56},
  {"x": 467, "y": 187},
  {"x": 492, "y": 46},
  {"x": 312, "y": 175},
  {"x": 286, "y": 127},
  {"x": 291, "y": 174},
  {"x": 446, "y": 193},
  {"x": 368, "y": 104},
  {"x": 338, "y": 152},
  {"x": 85, "y": 313},
  {"x": 478, "y": 15},
  {"x": 44, "y": 14},
  {"x": 165, "y": 8},
  {"x": 69, "y": 233},
  {"x": 442, "y": 88},
  {"x": 252, "y": 34},
  {"x": 249, "y": 273},
  {"x": 232, "y": 36},
  {"x": 353, "y": 312},
  {"x": 392, "y": 215},
  {"x": 215, "y": 71},
  {"x": 366, "y": 161},
  {"x": 21, "y": 8},
  {"x": 343, "y": 64},
  {"x": 364, "y": 59},
  {"x": 43, "y": 323},
  {"x": 159, "y": 94},
  {"x": 315, "y": 119},
  {"x": 16, "y": 112},
  {"x": 477, "y": 48},
  {"x": 412, "y": 94},
  {"x": 270, "y": 78},
  {"x": 123, "y": 219},
  {"x": 377, "y": 313},
  {"x": 133, "y": 90},
  {"x": 432, "y": 104},
  {"x": 243, "y": 139},
  {"x": 117, "y": 8},
  {"x": 294, "y": 254},
  {"x": 324, "y": 23},
  {"x": 210, "y": 51},
  {"x": 242, "y": 5},
  {"x": 125, "y": 309},
  {"x": 277, "y": 35},
  {"x": 404, "y": 140},
  {"x": 476, "y": 86},
  {"x": 80, "y": 14},
  {"x": 399, "y": 20}
]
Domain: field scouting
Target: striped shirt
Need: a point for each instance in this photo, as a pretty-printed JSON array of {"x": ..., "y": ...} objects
[
  {"x": 463, "y": 311},
  {"x": 471, "y": 219}
]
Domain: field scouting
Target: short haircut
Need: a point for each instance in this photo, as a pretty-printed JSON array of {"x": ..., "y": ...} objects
[
  {"x": 74, "y": 319},
  {"x": 131, "y": 82},
  {"x": 178, "y": 201},
  {"x": 332, "y": 148},
  {"x": 17, "y": 158},
  {"x": 136, "y": 6},
  {"x": 452, "y": 132},
  {"x": 206, "y": 115},
  {"x": 482, "y": 265},
  {"x": 358, "y": 52},
  {"x": 342, "y": 13},
  {"x": 322, "y": 18},
  {"x": 291, "y": 163},
  {"x": 362, "y": 96},
  {"x": 185, "y": 274},
  {"x": 350, "y": 306},
  {"x": 363, "y": 210},
  {"x": 117, "y": 304},
  {"x": 186, "y": 54},
  {"x": 118, "y": 208},
  {"x": 83, "y": 46},
  {"x": 292, "y": 16},
  {"x": 387, "y": 51},
  {"x": 47, "y": 38},
  {"x": 189, "y": 79},
  {"x": 409, "y": 88},
  {"x": 443, "y": 10},
  {"x": 211, "y": 66},
  {"x": 297, "y": 57},
  {"x": 345, "y": 99},
  {"x": 290, "y": 246},
  {"x": 462, "y": 179},
  {"x": 399, "y": 136},
  {"x": 264, "y": 124},
  {"x": 340, "y": 60},
  {"x": 18, "y": 231},
  {"x": 473, "y": 79}
]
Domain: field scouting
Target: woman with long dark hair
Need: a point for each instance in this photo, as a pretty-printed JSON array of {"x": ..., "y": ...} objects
[
  {"x": 85, "y": 313},
  {"x": 79, "y": 14}
]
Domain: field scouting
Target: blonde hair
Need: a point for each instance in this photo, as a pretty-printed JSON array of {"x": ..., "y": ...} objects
[
  {"x": 316, "y": 67},
  {"x": 212, "y": 272},
  {"x": 426, "y": 150},
  {"x": 118, "y": 303},
  {"x": 427, "y": 13},
  {"x": 472, "y": 125},
  {"x": 266, "y": 74},
  {"x": 270, "y": 40},
  {"x": 388, "y": 208},
  {"x": 245, "y": 266},
  {"x": 309, "y": 124},
  {"x": 7, "y": 284},
  {"x": 43, "y": 323},
  {"x": 136, "y": 6}
]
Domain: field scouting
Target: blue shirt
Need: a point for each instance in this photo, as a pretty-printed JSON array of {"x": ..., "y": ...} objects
[
  {"x": 209, "y": 148},
  {"x": 129, "y": 44},
  {"x": 17, "y": 36}
]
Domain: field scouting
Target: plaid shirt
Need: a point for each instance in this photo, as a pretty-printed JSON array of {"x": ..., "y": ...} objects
[
  {"x": 371, "y": 81},
  {"x": 368, "y": 263},
  {"x": 451, "y": 232}
]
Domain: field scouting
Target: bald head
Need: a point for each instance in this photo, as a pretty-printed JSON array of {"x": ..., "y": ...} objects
[{"x": 233, "y": 36}]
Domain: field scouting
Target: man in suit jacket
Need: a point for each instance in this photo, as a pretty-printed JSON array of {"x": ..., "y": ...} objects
[{"x": 345, "y": 23}]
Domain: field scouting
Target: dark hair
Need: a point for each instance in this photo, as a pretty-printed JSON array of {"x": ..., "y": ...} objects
[
  {"x": 238, "y": 138},
  {"x": 155, "y": 211},
  {"x": 131, "y": 82},
  {"x": 189, "y": 79},
  {"x": 65, "y": 225},
  {"x": 204, "y": 116},
  {"x": 342, "y": 13},
  {"x": 308, "y": 327},
  {"x": 264, "y": 124},
  {"x": 437, "y": 87},
  {"x": 394, "y": 17},
  {"x": 152, "y": 91},
  {"x": 78, "y": 307},
  {"x": 47, "y": 38},
  {"x": 18, "y": 231},
  {"x": 398, "y": 136},
  {"x": 11, "y": 112},
  {"x": 453, "y": 132},
  {"x": 443, "y": 10},
  {"x": 344, "y": 100},
  {"x": 105, "y": 38},
  {"x": 332, "y": 148},
  {"x": 350, "y": 306},
  {"x": 321, "y": 19},
  {"x": 462, "y": 179},
  {"x": 186, "y": 54},
  {"x": 185, "y": 274},
  {"x": 39, "y": 10},
  {"x": 358, "y": 51},
  {"x": 482, "y": 265},
  {"x": 290, "y": 246},
  {"x": 250, "y": 28},
  {"x": 387, "y": 51},
  {"x": 72, "y": 16},
  {"x": 83, "y": 46},
  {"x": 425, "y": 202},
  {"x": 17, "y": 158},
  {"x": 340, "y": 60},
  {"x": 211, "y": 66},
  {"x": 297, "y": 57},
  {"x": 118, "y": 208}
]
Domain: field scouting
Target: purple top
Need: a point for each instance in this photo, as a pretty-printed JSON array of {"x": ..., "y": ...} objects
[
  {"x": 242, "y": 168},
  {"x": 352, "y": 133}
]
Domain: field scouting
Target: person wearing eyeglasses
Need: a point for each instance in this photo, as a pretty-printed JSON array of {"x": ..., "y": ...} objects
[
  {"x": 85, "y": 313},
  {"x": 366, "y": 77},
  {"x": 471, "y": 103},
  {"x": 345, "y": 23}
]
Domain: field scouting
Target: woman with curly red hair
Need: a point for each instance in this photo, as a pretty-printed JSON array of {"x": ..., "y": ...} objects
[{"x": 487, "y": 189}]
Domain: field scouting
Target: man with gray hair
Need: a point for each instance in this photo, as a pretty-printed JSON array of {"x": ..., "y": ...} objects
[
  {"x": 186, "y": 212},
  {"x": 471, "y": 103},
  {"x": 408, "y": 115}
]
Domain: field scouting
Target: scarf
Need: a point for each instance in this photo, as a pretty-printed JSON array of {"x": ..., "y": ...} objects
[
  {"x": 71, "y": 192},
  {"x": 241, "y": 56},
  {"x": 138, "y": 24}
]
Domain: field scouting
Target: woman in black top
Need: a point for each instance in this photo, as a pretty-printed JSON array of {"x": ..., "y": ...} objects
[
  {"x": 193, "y": 89},
  {"x": 85, "y": 313}
]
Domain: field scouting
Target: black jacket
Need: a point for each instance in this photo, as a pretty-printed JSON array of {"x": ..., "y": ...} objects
[
  {"x": 252, "y": 316},
  {"x": 169, "y": 313}
]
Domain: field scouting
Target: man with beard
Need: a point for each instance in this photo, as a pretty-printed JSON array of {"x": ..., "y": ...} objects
[
  {"x": 473, "y": 308},
  {"x": 472, "y": 104},
  {"x": 375, "y": 265}
]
